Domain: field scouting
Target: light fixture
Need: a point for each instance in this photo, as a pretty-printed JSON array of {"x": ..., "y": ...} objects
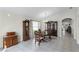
[
  {"x": 44, "y": 14},
  {"x": 8, "y": 14}
]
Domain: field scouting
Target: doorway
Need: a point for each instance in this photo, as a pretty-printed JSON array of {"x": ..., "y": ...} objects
[{"x": 67, "y": 26}]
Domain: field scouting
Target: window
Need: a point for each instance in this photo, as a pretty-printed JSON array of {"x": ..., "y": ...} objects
[{"x": 35, "y": 25}]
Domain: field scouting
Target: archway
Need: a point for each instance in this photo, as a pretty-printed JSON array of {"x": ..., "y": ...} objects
[{"x": 67, "y": 26}]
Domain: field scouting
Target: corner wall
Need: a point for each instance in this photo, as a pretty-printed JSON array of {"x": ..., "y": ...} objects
[{"x": 10, "y": 23}]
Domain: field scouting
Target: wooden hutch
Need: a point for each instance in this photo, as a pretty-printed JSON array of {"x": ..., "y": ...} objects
[{"x": 52, "y": 27}]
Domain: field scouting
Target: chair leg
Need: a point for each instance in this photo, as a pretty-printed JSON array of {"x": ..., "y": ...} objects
[
  {"x": 39, "y": 43},
  {"x": 35, "y": 42}
]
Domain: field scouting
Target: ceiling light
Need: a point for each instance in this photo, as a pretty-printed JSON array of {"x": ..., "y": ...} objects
[
  {"x": 8, "y": 14},
  {"x": 44, "y": 14}
]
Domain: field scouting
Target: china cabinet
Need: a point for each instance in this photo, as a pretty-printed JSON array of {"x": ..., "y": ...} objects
[{"x": 25, "y": 30}]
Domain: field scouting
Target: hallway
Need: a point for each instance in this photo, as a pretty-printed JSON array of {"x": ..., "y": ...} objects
[{"x": 64, "y": 44}]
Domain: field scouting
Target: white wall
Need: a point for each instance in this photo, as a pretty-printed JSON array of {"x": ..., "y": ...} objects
[
  {"x": 10, "y": 23},
  {"x": 77, "y": 24}
]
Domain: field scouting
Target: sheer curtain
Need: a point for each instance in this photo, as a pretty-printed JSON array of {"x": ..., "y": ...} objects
[{"x": 34, "y": 26}]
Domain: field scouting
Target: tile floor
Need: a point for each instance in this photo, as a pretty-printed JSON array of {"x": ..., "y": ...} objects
[{"x": 64, "y": 44}]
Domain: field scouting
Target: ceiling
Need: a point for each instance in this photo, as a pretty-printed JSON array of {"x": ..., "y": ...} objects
[{"x": 33, "y": 12}]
